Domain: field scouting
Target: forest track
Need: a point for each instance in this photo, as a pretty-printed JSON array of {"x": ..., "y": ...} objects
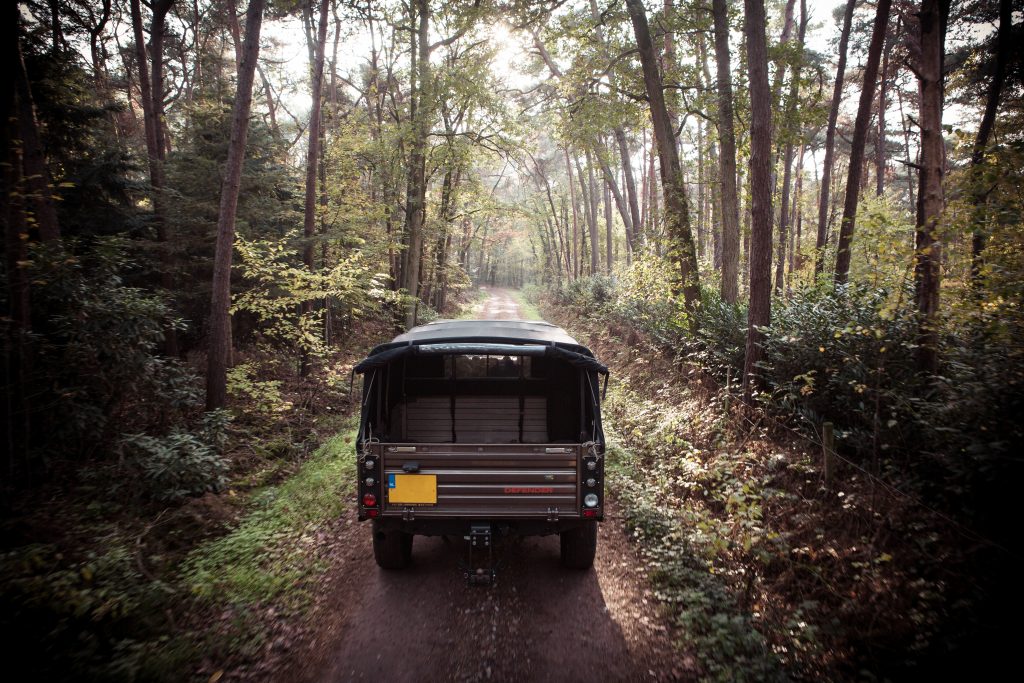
[
  {"x": 500, "y": 305},
  {"x": 538, "y": 622}
]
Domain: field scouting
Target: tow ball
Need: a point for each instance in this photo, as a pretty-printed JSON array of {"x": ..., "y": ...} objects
[{"x": 480, "y": 568}]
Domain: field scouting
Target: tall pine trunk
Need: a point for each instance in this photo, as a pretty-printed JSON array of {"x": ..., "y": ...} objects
[
  {"x": 417, "y": 193},
  {"x": 220, "y": 318},
  {"x": 635, "y": 221},
  {"x": 792, "y": 126},
  {"x": 677, "y": 210},
  {"x": 930, "y": 199},
  {"x": 760, "y": 256},
  {"x": 988, "y": 120},
  {"x": 727, "y": 156},
  {"x": 313, "y": 159},
  {"x": 151, "y": 96},
  {"x": 830, "y": 142},
  {"x": 860, "y": 134}
]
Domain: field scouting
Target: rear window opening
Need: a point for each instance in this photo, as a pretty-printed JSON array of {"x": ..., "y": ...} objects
[{"x": 480, "y": 398}]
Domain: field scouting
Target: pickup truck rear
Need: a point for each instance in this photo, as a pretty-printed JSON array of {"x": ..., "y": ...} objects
[{"x": 479, "y": 429}]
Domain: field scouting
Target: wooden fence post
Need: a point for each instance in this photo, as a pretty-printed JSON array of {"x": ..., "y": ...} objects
[
  {"x": 828, "y": 446},
  {"x": 728, "y": 383}
]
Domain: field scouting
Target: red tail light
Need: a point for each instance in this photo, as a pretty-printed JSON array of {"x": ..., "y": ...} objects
[
  {"x": 369, "y": 500},
  {"x": 372, "y": 513},
  {"x": 589, "y": 513}
]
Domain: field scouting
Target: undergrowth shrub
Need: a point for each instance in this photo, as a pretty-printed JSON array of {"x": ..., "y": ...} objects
[
  {"x": 179, "y": 464},
  {"x": 845, "y": 357},
  {"x": 95, "y": 347},
  {"x": 92, "y": 615}
]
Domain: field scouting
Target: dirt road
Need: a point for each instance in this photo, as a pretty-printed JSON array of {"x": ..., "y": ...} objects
[
  {"x": 500, "y": 305},
  {"x": 539, "y": 622}
]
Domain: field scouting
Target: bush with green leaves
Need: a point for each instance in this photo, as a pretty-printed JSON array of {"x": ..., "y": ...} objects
[
  {"x": 845, "y": 356},
  {"x": 179, "y": 464},
  {"x": 95, "y": 351}
]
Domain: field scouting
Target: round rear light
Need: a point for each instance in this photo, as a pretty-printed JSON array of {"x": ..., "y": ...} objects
[
  {"x": 590, "y": 500},
  {"x": 591, "y": 482},
  {"x": 370, "y": 500},
  {"x": 370, "y": 481},
  {"x": 591, "y": 465},
  {"x": 369, "y": 463}
]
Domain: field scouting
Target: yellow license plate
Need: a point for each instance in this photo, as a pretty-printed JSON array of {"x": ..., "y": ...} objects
[{"x": 412, "y": 489}]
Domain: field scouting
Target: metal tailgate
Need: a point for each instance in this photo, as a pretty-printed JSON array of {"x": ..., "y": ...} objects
[{"x": 488, "y": 480}]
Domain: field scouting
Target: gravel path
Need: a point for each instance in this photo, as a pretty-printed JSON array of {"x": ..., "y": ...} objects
[{"x": 500, "y": 306}]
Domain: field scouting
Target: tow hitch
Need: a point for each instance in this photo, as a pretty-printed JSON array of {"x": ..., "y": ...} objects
[{"x": 480, "y": 569}]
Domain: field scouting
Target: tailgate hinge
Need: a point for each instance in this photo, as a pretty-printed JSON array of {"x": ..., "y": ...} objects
[
  {"x": 552, "y": 514},
  {"x": 408, "y": 514}
]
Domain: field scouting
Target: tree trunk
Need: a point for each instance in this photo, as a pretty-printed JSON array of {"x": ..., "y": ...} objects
[
  {"x": 636, "y": 222},
  {"x": 883, "y": 83},
  {"x": 151, "y": 94},
  {"x": 794, "y": 253},
  {"x": 608, "y": 224},
  {"x": 620, "y": 203},
  {"x": 35, "y": 175},
  {"x": 157, "y": 29},
  {"x": 860, "y": 134},
  {"x": 760, "y": 257},
  {"x": 220, "y": 318},
  {"x": 727, "y": 155},
  {"x": 930, "y": 199},
  {"x": 573, "y": 254},
  {"x": 417, "y": 197},
  {"x": 830, "y": 142},
  {"x": 313, "y": 159},
  {"x": 590, "y": 196},
  {"x": 792, "y": 130},
  {"x": 984, "y": 132},
  {"x": 677, "y": 210}
]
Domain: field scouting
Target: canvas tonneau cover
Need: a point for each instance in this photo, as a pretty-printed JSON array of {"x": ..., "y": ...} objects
[{"x": 512, "y": 337}]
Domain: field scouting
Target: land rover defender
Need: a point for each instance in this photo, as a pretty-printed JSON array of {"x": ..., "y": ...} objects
[{"x": 480, "y": 429}]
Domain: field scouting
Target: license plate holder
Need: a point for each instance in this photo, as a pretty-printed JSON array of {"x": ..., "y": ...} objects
[{"x": 412, "y": 489}]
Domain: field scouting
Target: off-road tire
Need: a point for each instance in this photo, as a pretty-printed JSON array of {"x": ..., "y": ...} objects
[
  {"x": 392, "y": 549},
  {"x": 579, "y": 546}
]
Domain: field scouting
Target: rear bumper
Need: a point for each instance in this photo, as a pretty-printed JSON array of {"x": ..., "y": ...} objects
[
  {"x": 502, "y": 527},
  {"x": 518, "y": 485}
]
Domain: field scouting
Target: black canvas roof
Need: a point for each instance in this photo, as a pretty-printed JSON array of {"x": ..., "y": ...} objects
[
  {"x": 554, "y": 339},
  {"x": 486, "y": 330}
]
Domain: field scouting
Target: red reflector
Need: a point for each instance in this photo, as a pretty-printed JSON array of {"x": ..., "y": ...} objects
[
  {"x": 590, "y": 513},
  {"x": 372, "y": 513},
  {"x": 369, "y": 500}
]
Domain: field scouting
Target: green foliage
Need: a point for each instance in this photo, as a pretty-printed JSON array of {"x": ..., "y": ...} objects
[
  {"x": 264, "y": 557},
  {"x": 263, "y": 396},
  {"x": 91, "y": 614},
  {"x": 668, "y": 496},
  {"x": 286, "y": 298},
  {"x": 845, "y": 357},
  {"x": 95, "y": 348},
  {"x": 179, "y": 464}
]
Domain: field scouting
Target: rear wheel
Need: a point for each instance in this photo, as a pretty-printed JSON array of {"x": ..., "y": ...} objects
[
  {"x": 392, "y": 548},
  {"x": 579, "y": 546}
]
